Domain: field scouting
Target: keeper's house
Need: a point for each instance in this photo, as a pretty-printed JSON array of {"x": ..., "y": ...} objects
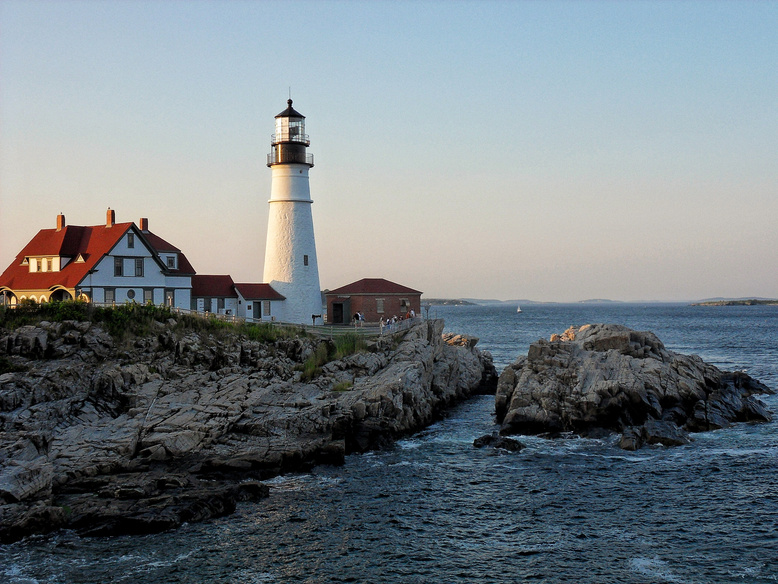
[
  {"x": 375, "y": 298},
  {"x": 111, "y": 263}
]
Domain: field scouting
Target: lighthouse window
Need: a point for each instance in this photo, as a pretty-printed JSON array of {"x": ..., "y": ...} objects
[{"x": 305, "y": 260}]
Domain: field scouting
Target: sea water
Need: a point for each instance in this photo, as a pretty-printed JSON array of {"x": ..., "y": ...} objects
[{"x": 435, "y": 509}]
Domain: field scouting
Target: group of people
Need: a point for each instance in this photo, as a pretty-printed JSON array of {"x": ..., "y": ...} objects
[{"x": 389, "y": 323}]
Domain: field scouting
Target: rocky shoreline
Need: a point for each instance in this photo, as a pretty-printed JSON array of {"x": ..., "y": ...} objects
[
  {"x": 134, "y": 436},
  {"x": 608, "y": 378}
]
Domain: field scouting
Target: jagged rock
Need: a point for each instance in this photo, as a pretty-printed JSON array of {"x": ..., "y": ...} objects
[
  {"x": 497, "y": 441},
  {"x": 608, "y": 376},
  {"x": 111, "y": 438}
]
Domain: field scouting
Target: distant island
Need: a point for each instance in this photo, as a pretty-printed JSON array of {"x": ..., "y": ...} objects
[
  {"x": 446, "y": 302},
  {"x": 741, "y": 302}
]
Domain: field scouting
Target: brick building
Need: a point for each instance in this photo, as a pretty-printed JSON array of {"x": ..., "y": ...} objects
[{"x": 375, "y": 298}]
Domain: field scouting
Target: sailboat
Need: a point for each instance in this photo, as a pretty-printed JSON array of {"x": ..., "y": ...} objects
[{"x": 518, "y": 309}]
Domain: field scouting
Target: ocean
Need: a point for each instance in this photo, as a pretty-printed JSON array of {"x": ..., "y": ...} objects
[{"x": 433, "y": 509}]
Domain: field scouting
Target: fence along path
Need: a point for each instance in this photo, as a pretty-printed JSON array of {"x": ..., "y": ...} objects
[{"x": 319, "y": 330}]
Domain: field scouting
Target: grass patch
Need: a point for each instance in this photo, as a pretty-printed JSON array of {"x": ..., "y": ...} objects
[
  {"x": 7, "y": 367},
  {"x": 349, "y": 344},
  {"x": 311, "y": 367},
  {"x": 343, "y": 386},
  {"x": 341, "y": 347},
  {"x": 132, "y": 319}
]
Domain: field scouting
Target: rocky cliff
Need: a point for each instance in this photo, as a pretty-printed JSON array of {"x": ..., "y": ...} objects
[
  {"x": 137, "y": 436},
  {"x": 608, "y": 377}
]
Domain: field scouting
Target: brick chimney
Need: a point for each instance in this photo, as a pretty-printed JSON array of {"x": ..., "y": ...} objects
[
  {"x": 110, "y": 218},
  {"x": 144, "y": 224},
  {"x": 60, "y": 222}
]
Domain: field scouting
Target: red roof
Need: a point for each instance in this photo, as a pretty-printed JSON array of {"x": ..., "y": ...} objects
[
  {"x": 258, "y": 292},
  {"x": 161, "y": 246},
  {"x": 210, "y": 286},
  {"x": 372, "y": 286},
  {"x": 158, "y": 243},
  {"x": 91, "y": 242}
]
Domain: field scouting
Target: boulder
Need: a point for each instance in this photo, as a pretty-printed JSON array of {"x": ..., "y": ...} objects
[
  {"x": 499, "y": 442},
  {"x": 607, "y": 376}
]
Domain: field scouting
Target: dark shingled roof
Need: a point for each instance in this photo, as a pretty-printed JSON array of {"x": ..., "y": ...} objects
[
  {"x": 212, "y": 285},
  {"x": 290, "y": 112},
  {"x": 258, "y": 292}
]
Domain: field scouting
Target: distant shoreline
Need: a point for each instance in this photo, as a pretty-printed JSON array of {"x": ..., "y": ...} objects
[
  {"x": 750, "y": 302},
  {"x": 446, "y": 302}
]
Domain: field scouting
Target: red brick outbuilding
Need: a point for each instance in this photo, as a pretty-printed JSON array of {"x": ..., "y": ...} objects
[{"x": 375, "y": 298}]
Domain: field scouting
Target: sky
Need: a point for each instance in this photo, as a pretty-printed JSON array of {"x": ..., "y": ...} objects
[{"x": 551, "y": 151}]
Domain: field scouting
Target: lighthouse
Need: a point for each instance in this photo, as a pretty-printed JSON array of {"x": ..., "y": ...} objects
[{"x": 290, "y": 254}]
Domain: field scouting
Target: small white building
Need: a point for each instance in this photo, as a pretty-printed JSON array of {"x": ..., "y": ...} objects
[{"x": 218, "y": 294}]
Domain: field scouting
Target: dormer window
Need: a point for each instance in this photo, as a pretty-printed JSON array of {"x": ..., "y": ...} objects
[{"x": 171, "y": 262}]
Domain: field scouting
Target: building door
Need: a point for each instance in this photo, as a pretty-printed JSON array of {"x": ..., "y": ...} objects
[{"x": 337, "y": 312}]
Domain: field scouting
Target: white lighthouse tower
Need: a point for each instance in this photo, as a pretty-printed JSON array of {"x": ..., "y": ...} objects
[{"x": 290, "y": 254}]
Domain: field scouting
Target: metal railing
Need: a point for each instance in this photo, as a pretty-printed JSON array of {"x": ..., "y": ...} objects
[
  {"x": 289, "y": 158},
  {"x": 290, "y": 137}
]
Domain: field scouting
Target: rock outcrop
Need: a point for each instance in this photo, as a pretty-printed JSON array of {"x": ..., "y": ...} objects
[
  {"x": 139, "y": 436},
  {"x": 608, "y": 377}
]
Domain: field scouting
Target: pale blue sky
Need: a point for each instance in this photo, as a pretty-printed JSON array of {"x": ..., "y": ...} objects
[{"x": 543, "y": 150}]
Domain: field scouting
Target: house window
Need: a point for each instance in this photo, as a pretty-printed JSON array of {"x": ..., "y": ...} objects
[
  {"x": 139, "y": 267},
  {"x": 171, "y": 262},
  {"x": 118, "y": 266},
  {"x": 131, "y": 240},
  {"x": 404, "y": 306},
  {"x": 148, "y": 296},
  {"x": 305, "y": 260},
  {"x": 266, "y": 307},
  {"x": 379, "y": 305},
  {"x": 110, "y": 296},
  {"x": 39, "y": 267},
  {"x": 220, "y": 304},
  {"x": 170, "y": 297},
  {"x": 131, "y": 294}
]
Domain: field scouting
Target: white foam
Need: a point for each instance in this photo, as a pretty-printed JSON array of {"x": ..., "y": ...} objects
[{"x": 655, "y": 568}]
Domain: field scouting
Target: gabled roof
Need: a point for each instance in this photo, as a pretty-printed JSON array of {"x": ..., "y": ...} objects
[
  {"x": 91, "y": 242},
  {"x": 213, "y": 286},
  {"x": 258, "y": 292},
  {"x": 158, "y": 243},
  {"x": 372, "y": 286},
  {"x": 161, "y": 246}
]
